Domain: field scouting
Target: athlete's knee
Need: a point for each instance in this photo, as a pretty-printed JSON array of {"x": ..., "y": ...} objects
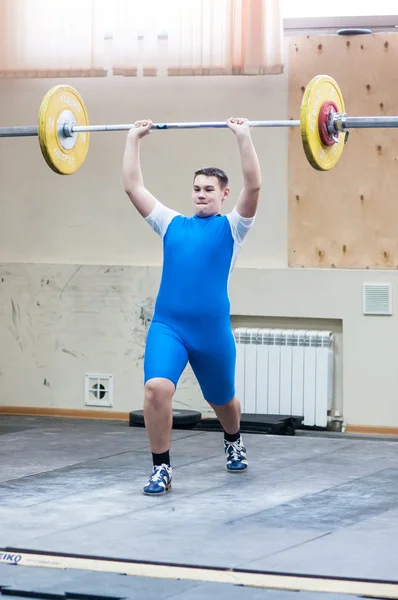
[
  {"x": 227, "y": 403},
  {"x": 159, "y": 390}
]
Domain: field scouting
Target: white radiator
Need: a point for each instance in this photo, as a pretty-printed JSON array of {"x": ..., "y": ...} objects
[{"x": 285, "y": 372}]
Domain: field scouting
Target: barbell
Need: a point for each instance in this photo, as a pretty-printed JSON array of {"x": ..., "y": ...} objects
[{"x": 63, "y": 126}]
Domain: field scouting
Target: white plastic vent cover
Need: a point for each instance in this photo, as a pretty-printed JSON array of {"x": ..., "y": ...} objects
[
  {"x": 98, "y": 390},
  {"x": 377, "y": 299}
]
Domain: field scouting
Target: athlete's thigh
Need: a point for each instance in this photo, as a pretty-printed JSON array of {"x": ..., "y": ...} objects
[
  {"x": 213, "y": 363},
  {"x": 166, "y": 355}
]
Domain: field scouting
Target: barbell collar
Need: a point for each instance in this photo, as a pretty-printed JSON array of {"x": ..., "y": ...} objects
[{"x": 337, "y": 124}]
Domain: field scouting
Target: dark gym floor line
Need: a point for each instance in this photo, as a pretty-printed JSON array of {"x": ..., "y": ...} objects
[{"x": 310, "y": 503}]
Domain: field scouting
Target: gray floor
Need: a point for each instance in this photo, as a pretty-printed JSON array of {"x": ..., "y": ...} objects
[{"x": 313, "y": 504}]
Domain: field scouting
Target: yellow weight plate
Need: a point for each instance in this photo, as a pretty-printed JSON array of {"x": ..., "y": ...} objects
[
  {"x": 320, "y": 89},
  {"x": 64, "y": 155}
]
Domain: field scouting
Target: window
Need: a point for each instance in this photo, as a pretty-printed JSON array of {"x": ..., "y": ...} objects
[{"x": 338, "y": 8}]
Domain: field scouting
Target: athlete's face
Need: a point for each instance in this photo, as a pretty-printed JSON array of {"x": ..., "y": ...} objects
[{"x": 208, "y": 196}]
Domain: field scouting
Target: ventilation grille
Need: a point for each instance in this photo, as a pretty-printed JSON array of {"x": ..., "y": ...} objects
[
  {"x": 377, "y": 299},
  {"x": 98, "y": 390}
]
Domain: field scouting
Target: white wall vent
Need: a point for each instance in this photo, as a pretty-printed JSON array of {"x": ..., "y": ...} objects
[
  {"x": 98, "y": 390},
  {"x": 377, "y": 299}
]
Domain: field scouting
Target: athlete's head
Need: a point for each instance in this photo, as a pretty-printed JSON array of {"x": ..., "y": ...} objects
[{"x": 210, "y": 189}]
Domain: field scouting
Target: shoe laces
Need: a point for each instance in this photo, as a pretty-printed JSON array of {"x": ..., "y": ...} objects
[
  {"x": 159, "y": 472},
  {"x": 235, "y": 450}
]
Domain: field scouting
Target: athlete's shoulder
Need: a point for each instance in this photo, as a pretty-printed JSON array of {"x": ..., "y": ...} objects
[
  {"x": 240, "y": 226},
  {"x": 161, "y": 217}
]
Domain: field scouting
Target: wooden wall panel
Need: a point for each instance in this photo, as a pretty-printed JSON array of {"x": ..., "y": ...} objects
[{"x": 346, "y": 217}]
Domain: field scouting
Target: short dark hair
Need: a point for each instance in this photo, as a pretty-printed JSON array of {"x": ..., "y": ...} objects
[{"x": 213, "y": 172}]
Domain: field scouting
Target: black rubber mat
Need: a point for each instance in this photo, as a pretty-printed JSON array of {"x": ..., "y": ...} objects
[
  {"x": 256, "y": 423},
  {"x": 182, "y": 419}
]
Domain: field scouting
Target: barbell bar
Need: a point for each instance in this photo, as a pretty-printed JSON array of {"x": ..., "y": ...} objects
[
  {"x": 63, "y": 126},
  {"x": 338, "y": 125},
  {"x": 68, "y": 128},
  {"x": 346, "y": 123},
  {"x": 21, "y": 131},
  {"x": 367, "y": 122},
  {"x": 189, "y": 125}
]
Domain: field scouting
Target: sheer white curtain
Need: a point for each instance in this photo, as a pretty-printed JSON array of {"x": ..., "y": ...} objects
[
  {"x": 50, "y": 38},
  {"x": 66, "y": 38},
  {"x": 197, "y": 37}
]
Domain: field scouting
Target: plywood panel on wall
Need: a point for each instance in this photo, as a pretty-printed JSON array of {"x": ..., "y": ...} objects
[{"x": 346, "y": 217}]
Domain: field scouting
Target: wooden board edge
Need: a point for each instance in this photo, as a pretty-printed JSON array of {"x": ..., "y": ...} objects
[{"x": 64, "y": 412}]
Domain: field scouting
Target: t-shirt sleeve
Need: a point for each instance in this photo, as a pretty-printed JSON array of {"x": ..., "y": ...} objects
[
  {"x": 160, "y": 218},
  {"x": 240, "y": 226}
]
